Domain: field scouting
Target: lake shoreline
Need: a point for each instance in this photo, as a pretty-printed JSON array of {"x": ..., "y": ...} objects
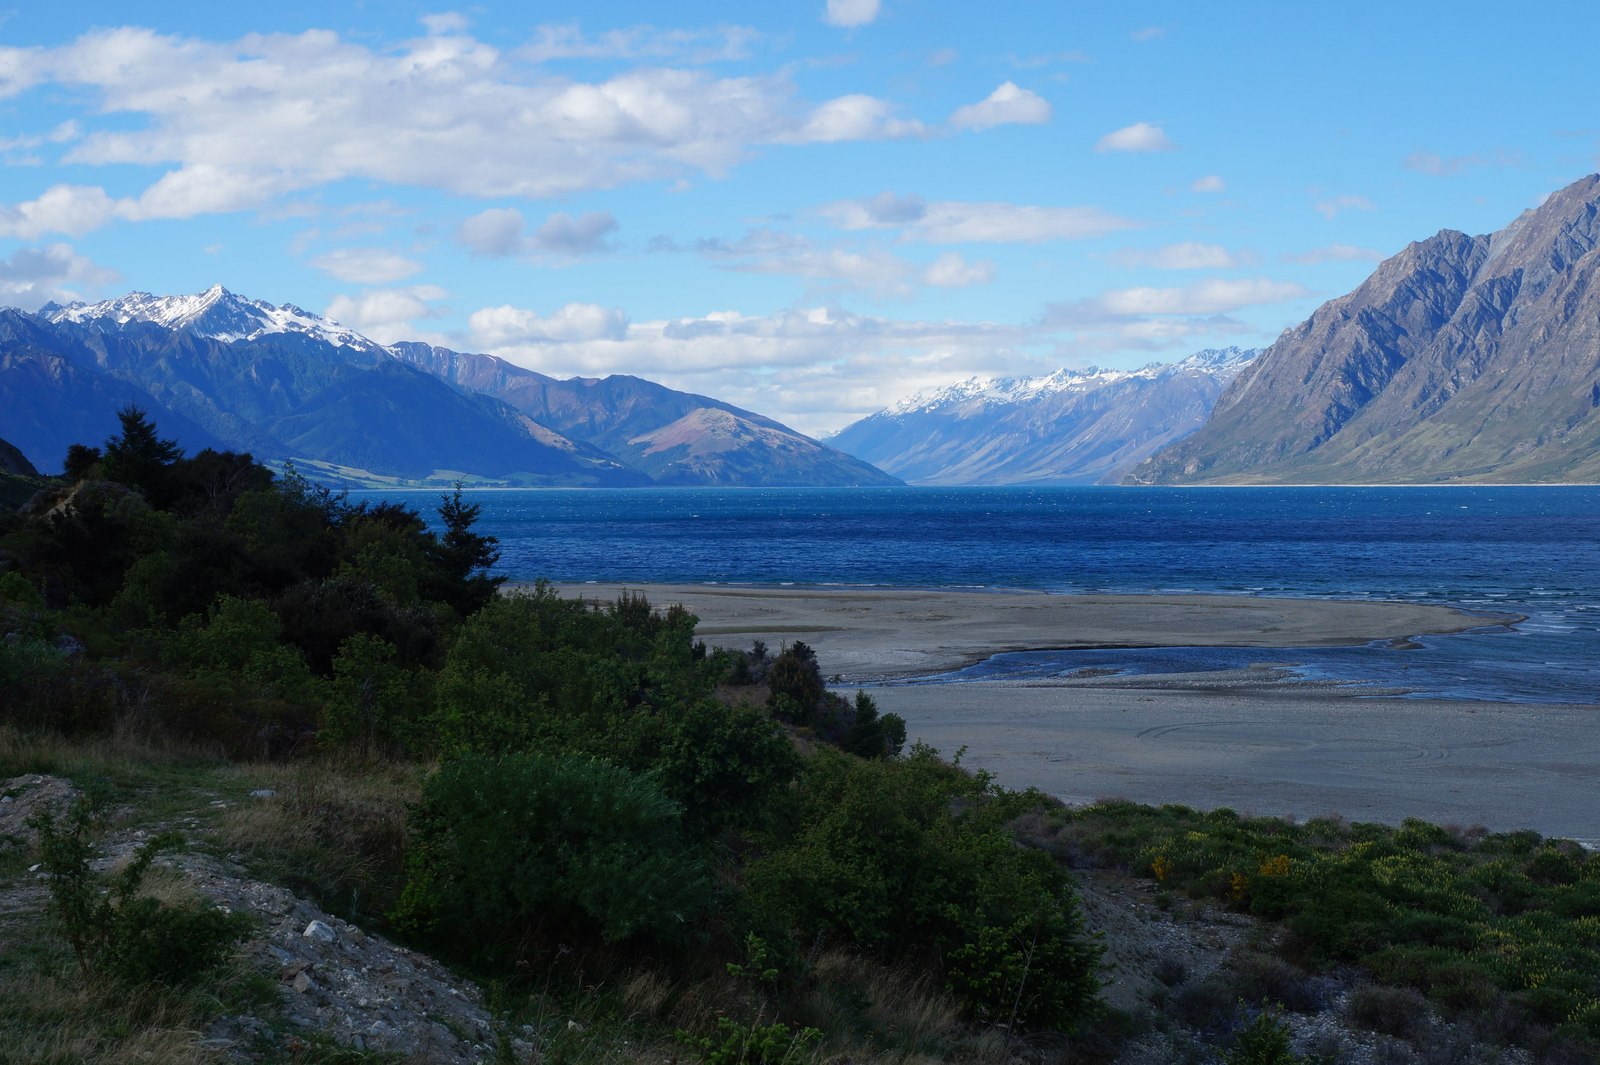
[{"x": 1258, "y": 740}]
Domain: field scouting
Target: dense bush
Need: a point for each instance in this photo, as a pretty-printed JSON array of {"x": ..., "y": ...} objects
[
  {"x": 1481, "y": 922},
  {"x": 910, "y": 857},
  {"x": 511, "y": 856}
]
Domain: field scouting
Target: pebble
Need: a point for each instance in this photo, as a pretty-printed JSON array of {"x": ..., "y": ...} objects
[
  {"x": 263, "y": 793},
  {"x": 302, "y": 983}
]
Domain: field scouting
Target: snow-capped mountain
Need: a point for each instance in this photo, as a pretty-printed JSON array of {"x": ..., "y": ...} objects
[
  {"x": 221, "y": 370},
  {"x": 215, "y": 313},
  {"x": 1006, "y": 390},
  {"x": 1068, "y": 427}
]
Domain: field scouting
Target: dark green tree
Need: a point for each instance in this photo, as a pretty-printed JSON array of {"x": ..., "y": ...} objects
[
  {"x": 139, "y": 458},
  {"x": 461, "y": 557},
  {"x": 795, "y": 680}
]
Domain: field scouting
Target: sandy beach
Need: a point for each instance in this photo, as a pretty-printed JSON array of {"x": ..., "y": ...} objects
[{"x": 1249, "y": 739}]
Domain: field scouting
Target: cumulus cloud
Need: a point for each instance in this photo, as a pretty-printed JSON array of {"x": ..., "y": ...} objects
[
  {"x": 239, "y": 124},
  {"x": 1333, "y": 207},
  {"x": 955, "y": 222},
  {"x": 499, "y": 327},
  {"x": 850, "y": 13},
  {"x": 950, "y": 270},
  {"x": 32, "y": 277},
  {"x": 1007, "y": 104},
  {"x": 366, "y": 266},
  {"x": 388, "y": 315},
  {"x": 500, "y": 232},
  {"x": 497, "y": 232},
  {"x": 1209, "y": 183},
  {"x": 1139, "y": 137},
  {"x": 854, "y": 118},
  {"x": 836, "y": 365},
  {"x": 564, "y": 235},
  {"x": 1335, "y": 253},
  {"x": 70, "y": 209},
  {"x": 1189, "y": 255}
]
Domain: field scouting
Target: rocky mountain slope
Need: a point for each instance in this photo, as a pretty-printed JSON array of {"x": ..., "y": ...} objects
[
  {"x": 672, "y": 437},
  {"x": 1070, "y": 427},
  {"x": 221, "y": 370},
  {"x": 1460, "y": 359}
]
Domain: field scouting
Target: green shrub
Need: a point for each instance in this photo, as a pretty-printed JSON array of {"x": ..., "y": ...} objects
[
  {"x": 114, "y": 931},
  {"x": 910, "y": 857},
  {"x": 1264, "y": 1041},
  {"x": 510, "y": 855}
]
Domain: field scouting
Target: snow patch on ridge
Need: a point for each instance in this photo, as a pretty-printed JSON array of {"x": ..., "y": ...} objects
[
  {"x": 215, "y": 313},
  {"x": 1009, "y": 390}
]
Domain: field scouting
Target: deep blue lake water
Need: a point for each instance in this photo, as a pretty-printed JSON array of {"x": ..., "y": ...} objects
[{"x": 1533, "y": 551}]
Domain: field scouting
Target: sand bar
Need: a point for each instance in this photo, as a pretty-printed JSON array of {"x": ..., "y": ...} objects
[
  {"x": 868, "y": 634},
  {"x": 1248, "y": 739}
]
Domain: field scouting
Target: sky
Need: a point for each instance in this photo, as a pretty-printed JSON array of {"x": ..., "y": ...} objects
[{"x": 809, "y": 209}]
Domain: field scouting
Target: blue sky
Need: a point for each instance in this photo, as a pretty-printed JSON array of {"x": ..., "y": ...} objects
[{"x": 810, "y": 209}]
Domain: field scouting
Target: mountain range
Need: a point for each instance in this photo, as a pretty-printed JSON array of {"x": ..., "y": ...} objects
[
  {"x": 1461, "y": 359},
  {"x": 221, "y": 370},
  {"x": 1069, "y": 427}
]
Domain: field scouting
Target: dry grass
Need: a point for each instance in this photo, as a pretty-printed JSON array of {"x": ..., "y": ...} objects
[
  {"x": 338, "y": 831},
  {"x": 127, "y": 749},
  {"x": 51, "y": 1015}
]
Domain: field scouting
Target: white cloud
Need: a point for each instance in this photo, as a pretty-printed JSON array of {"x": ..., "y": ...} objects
[
  {"x": 855, "y": 118},
  {"x": 564, "y": 235},
  {"x": 850, "y": 13},
  {"x": 559, "y": 41},
  {"x": 500, "y": 231},
  {"x": 1335, "y": 253},
  {"x": 950, "y": 270},
  {"x": 767, "y": 251},
  {"x": 496, "y": 232},
  {"x": 388, "y": 315},
  {"x": 834, "y": 365},
  {"x": 1189, "y": 255},
  {"x": 1209, "y": 183},
  {"x": 1206, "y": 297},
  {"x": 366, "y": 266},
  {"x": 1149, "y": 33},
  {"x": 237, "y": 125},
  {"x": 1332, "y": 208},
  {"x": 955, "y": 222},
  {"x": 1139, "y": 137},
  {"x": 499, "y": 327},
  {"x": 70, "y": 209},
  {"x": 32, "y": 277},
  {"x": 1007, "y": 104},
  {"x": 445, "y": 22}
]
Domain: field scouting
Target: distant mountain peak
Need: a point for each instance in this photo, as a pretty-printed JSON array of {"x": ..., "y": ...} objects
[
  {"x": 1067, "y": 427},
  {"x": 215, "y": 313},
  {"x": 1013, "y": 390}
]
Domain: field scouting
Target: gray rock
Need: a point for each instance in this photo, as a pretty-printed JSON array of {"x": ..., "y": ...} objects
[{"x": 320, "y": 932}]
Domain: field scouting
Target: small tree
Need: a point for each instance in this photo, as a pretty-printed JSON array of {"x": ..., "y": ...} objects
[
  {"x": 462, "y": 557},
  {"x": 795, "y": 680}
]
